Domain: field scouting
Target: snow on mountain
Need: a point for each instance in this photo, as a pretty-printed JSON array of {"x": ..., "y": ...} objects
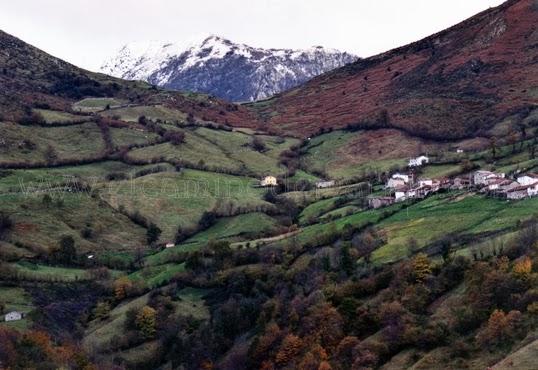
[{"x": 217, "y": 66}]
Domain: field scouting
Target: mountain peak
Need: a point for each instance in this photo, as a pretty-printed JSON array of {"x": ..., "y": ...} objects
[{"x": 218, "y": 66}]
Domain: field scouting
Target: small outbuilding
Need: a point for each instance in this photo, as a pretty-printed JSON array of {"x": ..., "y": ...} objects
[
  {"x": 379, "y": 202},
  {"x": 268, "y": 181},
  {"x": 528, "y": 179},
  {"x": 325, "y": 184},
  {"x": 418, "y": 161},
  {"x": 13, "y": 316}
]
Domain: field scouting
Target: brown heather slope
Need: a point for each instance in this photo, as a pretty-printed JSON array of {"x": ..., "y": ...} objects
[
  {"x": 29, "y": 77},
  {"x": 455, "y": 84}
]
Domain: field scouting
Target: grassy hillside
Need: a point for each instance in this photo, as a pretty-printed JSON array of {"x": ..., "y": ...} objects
[{"x": 134, "y": 232}]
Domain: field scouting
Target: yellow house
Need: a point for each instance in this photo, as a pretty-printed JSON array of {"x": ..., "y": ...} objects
[{"x": 268, "y": 181}]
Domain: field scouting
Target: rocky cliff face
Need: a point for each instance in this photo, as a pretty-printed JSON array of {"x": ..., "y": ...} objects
[{"x": 219, "y": 67}]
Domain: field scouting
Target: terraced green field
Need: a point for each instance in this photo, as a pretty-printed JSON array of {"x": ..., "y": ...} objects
[
  {"x": 439, "y": 216},
  {"x": 223, "y": 151},
  {"x": 44, "y": 178},
  {"x": 40, "y": 226},
  {"x": 153, "y": 112},
  {"x": 31, "y": 143},
  {"x": 53, "y": 116},
  {"x": 126, "y": 136},
  {"x": 212, "y": 156},
  {"x": 96, "y": 104},
  {"x": 316, "y": 209},
  {"x": 30, "y": 271},
  {"x": 158, "y": 275},
  {"x": 427, "y": 221},
  {"x": 179, "y": 199},
  {"x": 16, "y": 299},
  {"x": 343, "y": 154},
  {"x": 234, "y": 227}
]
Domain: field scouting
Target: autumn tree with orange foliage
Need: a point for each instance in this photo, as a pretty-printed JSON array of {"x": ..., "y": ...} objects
[
  {"x": 523, "y": 268},
  {"x": 122, "y": 287},
  {"x": 146, "y": 322},
  {"x": 501, "y": 327},
  {"x": 421, "y": 267},
  {"x": 14, "y": 350},
  {"x": 290, "y": 347},
  {"x": 314, "y": 359}
]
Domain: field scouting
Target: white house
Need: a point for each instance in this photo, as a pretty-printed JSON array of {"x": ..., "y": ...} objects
[
  {"x": 402, "y": 176},
  {"x": 495, "y": 183},
  {"x": 517, "y": 193},
  {"x": 170, "y": 245},
  {"x": 418, "y": 161},
  {"x": 528, "y": 179},
  {"x": 325, "y": 184},
  {"x": 459, "y": 151},
  {"x": 13, "y": 316},
  {"x": 423, "y": 182},
  {"x": 397, "y": 179},
  {"x": 523, "y": 191},
  {"x": 394, "y": 183},
  {"x": 268, "y": 181},
  {"x": 400, "y": 194},
  {"x": 533, "y": 190}
]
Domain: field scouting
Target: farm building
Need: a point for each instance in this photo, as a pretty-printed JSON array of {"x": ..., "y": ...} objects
[
  {"x": 401, "y": 193},
  {"x": 268, "y": 181},
  {"x": 480, "y": 177},
  {"x": 422, "y": 182},
  {"x": 528, "y": 179},
  {"x": 324, "y": 184},
  {"x": 394, "y": 183},
  {"x": 379, "y": 202},
  {"x": 14, "y": 316},
  {"x": 523, "y": 191},
  {"x": 461, "y": 182},
  {"x": 397, "y": 180},
  {"x": 418, "y": 161},
  {"x": 495, "y": 183}
]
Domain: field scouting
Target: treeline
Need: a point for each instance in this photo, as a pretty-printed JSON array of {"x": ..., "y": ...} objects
[{"x": 321, "y": 314}]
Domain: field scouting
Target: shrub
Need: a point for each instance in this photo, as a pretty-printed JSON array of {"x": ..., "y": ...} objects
[
  {"x": 257, "y": 144},
  {"x": 153, "y": 233},
  {"x": 146, "y": 322},
  {"x": 5, "y": 224},
  {"x": 86, "y": 233},
  {"x": 207, "y": 220},
  {"x": 175, "y": 137},
  {"x": 32, "y": 118},
  {"x": 101, "y": 311}
]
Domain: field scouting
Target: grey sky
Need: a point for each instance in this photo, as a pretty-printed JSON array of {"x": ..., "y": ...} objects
[{"x": 85, "y": 32}]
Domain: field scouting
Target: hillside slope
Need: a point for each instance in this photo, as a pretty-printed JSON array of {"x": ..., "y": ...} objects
[
  {"x": 453, "y": 84},
  {"x": 31, "y": 78},
  {"x": 220, "y": 67}
]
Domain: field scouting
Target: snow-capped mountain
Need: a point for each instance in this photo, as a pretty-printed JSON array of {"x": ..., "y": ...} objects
[{"x": 219, "y": 67}]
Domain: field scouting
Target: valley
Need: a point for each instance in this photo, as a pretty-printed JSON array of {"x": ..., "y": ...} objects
[{"x": 383, "y": 215}]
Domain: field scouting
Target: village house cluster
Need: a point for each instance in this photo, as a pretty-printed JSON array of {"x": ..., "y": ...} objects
[
  {"x": 402, "y": 187},
  {"x": 496, "y": 184}
]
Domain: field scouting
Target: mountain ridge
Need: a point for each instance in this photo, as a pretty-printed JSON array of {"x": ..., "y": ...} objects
[
  {"x": 217, "y": 66},
  {"x": 448, "y": 85}
]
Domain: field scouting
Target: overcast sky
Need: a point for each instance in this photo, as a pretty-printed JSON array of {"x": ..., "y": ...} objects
[{"x": 85, "y": 32}]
